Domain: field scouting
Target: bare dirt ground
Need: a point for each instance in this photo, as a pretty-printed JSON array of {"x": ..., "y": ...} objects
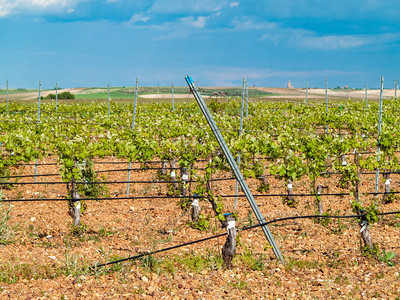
[{"x": 321, "y": 261}]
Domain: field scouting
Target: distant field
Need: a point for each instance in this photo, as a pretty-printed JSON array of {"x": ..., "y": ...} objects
[
  {"x": 181, "y": 94},
  {"x": 129, "y": 92},
  {"x": 16, "y": 91}
]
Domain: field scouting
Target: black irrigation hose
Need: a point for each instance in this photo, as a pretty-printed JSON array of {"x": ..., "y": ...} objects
[
  {"x": 100, "y": 199},
  {"x": 223, "y": 234},
  {"x": 24, "y": 176},
  {"x": 87, "y": 182}
]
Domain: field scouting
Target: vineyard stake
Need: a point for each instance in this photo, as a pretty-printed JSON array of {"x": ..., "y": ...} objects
[
  {"x": 306, "y": 92},
  {"x": 379, "y": 133},
  {"x": 247, "y": 97},
  {"x": 133, "y": 127},
  {"x": 38, "y": 120},
  {"x": 56, "y": 97},
  {"x": 326, "y": 94},
  {"x": 7, "y": 94},
  {"x": 38, "y": 116},
  {"x": 134, "y": 104},
  {"x": 395, "y": 89},
  {"x": 108, "y": 91},
  {"x": 240, "y": 133},
  {"x": 366, "y": 97},
  {"x": 233, "y": 166},
  {"x": 172, "y": 91}
]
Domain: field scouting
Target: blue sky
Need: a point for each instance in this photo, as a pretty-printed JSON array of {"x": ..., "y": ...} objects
[{"x": 81, "y": 43}]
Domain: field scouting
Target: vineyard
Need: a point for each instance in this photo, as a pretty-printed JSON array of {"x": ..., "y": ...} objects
[{"x": 85, "y": 186}]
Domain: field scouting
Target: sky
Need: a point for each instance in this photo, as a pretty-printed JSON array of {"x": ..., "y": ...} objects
[{"x": 87, "y": 43}]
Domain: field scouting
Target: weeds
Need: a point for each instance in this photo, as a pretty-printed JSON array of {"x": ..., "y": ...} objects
[
  {"x": 6, "y": 232},
  {"x": 387, "y": 257}
]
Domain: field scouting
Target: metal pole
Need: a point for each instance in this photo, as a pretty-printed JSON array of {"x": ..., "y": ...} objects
[
  {"x": 306, "y": 92},
  {"x": 326, "y": 94},
  {"x": 38, "y": 116},
  {"x": 38, "y": 119},
  {"x": 135, "y": 103},
  {"x": 366, "y": 97},
  {"x": 379, "y": 133},
  {"x": 7, "y": 94},
  {"x": 172, "y": 90},
  {"x": 133, "y": 127},
  {"x": 247, "y": 97},
  {"x": 234, "y": 166},
  {"x": 56, "y": 97},
  {"x": 108, "y": 89},
  {"x": 240, "y": 133}
]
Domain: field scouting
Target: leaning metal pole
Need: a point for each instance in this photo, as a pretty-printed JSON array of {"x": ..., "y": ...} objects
[{"x": 234, "y": 166}]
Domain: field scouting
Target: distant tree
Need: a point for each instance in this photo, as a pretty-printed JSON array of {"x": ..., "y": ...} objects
[{"x": 61, "y": 96}]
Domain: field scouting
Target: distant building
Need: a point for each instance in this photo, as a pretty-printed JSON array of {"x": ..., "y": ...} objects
[{"x": 289, "y": 85}]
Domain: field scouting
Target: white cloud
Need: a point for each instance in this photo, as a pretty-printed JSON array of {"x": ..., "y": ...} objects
[
  {"x": 36, "y": 6},
  {"x": 347, "y": 41},
  {"x": 200, "y": 22},
  {"x": 177, "y": 29},
  {"x": 187, "y": 7},
  {"x": 233, "y": 4},
  {"x": 138, "y": 18},
  {"x": 247, "y": 23},
  {"x": 309, "y": 39}
]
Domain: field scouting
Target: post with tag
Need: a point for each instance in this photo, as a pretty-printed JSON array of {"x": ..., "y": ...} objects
[
  {"x": 195, "y": 209},
  {"x": 185, "y": 179},
  {"x": 366, "y": 241},
  {"x": 75, "y": 204},
  {"x": 229, "y": 248}
]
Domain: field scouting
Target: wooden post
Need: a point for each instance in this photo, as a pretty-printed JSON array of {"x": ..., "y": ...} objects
[
  {"x": 195, "y": 210},
  {"x": 164, "y": 167},
  {"x": 265, "y": 186},
  {"x": 172, "y": 164},
  {"x": 366, "y": 241},
  {"x": 229, "y": 248},
  {"x": 357, "y": 163},
  {"x": 319, "y": 200},
  {"x": 290, "y": 198},
  {"x": 75, "y": 209},
  {"x": 185, "y": 179},
  {"x": 386, "y": 195},
  {"x": 343, "y": 160}
]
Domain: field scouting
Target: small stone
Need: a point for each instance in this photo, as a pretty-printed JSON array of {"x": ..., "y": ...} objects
[
  {"x": 145, "y": 279},
  {"x": 33, "y": 219},
  {"x": 49, "y": 237}
]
